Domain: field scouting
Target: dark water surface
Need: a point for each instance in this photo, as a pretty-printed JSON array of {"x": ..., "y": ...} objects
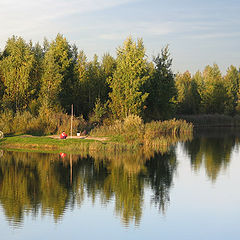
[{"x": 190, "y": 192}]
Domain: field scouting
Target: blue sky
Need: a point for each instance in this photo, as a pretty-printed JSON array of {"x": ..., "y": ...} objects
[{"x": 198, "y": 32}]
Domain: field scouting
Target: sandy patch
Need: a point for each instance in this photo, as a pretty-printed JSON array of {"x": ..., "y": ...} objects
[{"x": 81, "y": 137}]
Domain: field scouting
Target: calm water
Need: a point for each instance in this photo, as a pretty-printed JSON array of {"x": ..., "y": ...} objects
[{"x": 190, "y": 192}]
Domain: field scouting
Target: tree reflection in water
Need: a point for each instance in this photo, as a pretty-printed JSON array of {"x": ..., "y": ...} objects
[
  {"x": 212, "y": 149},
  {"x": 33, "y": 183},
  {"x": 160, "y": 170}
]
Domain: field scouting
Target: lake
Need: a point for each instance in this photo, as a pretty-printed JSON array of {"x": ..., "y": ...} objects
[{"x": 189, "y": 192}]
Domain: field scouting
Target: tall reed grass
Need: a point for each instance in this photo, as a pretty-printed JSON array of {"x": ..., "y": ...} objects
[{"x": 155, "y": 134}]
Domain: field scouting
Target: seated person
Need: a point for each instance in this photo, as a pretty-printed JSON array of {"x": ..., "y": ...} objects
[{"x": 63, "y": 135}]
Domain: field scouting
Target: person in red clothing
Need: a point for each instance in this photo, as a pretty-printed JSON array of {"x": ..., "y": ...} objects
[
  {"x": 63, "y": 135},
  {"x": 63, "y": 155}
]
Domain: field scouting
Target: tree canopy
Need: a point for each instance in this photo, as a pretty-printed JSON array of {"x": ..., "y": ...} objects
[{"x": 56, "y": 75}]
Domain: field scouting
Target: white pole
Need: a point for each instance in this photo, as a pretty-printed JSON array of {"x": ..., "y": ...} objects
[{"x": 71, "y": 120}]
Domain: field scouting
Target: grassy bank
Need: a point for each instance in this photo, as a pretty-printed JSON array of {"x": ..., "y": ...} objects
[
  {"x": 131, "y": 134},
  {"x": 80, "y": 146},
  {"x": 45, "y": 143}
]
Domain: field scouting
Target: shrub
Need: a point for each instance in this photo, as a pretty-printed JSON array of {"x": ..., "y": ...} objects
[
  {"x": 6, "y": 119},
  {"x": 133, "y": 129},
  {"x": 48, "y": 122}
]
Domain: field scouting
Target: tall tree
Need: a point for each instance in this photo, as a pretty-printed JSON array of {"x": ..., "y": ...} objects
[
  {"x": 81, "y": 84},
  {"x": 2, "y": 88},
  {"x": 16, "y": 68},
  {"x": 96, "y": 84},
  {"x": 188, "y": 99},
  {"x": 127, "y": 83},
  {"x": 161, "y": 87},
  {"x": 231, "y": 83},
  {"x": 90, "y": 84},
  {"x": 51, "y": 83},
  {"x": 60, "y": 52},
  {"x": 213, "y": 92},
  {"x": 36, "y": 76},
  {"x": 108, "y": 67}
]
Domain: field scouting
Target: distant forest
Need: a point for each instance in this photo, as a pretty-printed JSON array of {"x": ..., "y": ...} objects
[{"x": 56, "y": 74}]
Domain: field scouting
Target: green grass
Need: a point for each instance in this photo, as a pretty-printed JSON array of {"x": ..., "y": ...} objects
[
  {"x": 78, "y": 146},
  {"x": 44, "y": 143}
]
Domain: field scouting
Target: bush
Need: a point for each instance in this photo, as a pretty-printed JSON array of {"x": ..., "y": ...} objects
[
  {"x": 48, "y": 122},
  {"x": 6, "y": 120}
]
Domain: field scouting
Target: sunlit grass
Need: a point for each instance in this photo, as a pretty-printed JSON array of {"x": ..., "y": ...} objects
[{"x": 45, "y": 143}]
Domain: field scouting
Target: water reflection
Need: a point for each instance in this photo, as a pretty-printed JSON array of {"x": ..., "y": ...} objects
[
  {"x": 33, "y": 182},
  {"x": 50, "y": 184},
  {"x": 160, "y": 177},
  {"x": 212, "y": 149}
]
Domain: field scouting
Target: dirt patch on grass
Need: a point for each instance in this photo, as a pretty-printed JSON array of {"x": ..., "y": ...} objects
[
  {"x": 82, "y": 137},
  {"x": 26, "y": 136}
]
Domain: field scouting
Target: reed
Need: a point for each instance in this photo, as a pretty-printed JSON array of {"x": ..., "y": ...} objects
[{"x": 154, "y": 135}]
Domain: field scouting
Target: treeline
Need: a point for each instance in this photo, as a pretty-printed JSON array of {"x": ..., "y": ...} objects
[{"x": 53, "y": 76}]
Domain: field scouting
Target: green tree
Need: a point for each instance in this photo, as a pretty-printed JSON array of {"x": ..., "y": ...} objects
[
  {"x": 231, "y": 82},
  {"x": 62, "y": 57},
  {"x": 99, "y": 112},
  {"x": 16, "y": 68},
  {"x": 2, "y": 88},
  {"x": 96, "y": 83},
  {"x": 212, "y": 90},
  {"x": 51, "y": 83},
  {"x": 90, "y": 84},
  {"x": 81, "y": 84},
  {"x": 108, "y": 67},
  {"x": 161, "y": 87},
  {"x": 129, "y": 78},
  {"x": 188, "y": 98},
  {"x": 36, "y": 76}
]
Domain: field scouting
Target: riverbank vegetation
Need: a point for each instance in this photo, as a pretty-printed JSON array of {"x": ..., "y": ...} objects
[
  {"x": 39, "y": 83},
  {"x": 130, "y": 134}
]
